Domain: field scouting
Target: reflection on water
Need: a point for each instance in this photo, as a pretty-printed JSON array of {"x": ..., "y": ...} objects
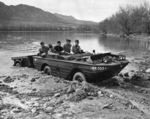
[
  {"x": 119, "y": 44},
  {"x": 88, "y": 41}
]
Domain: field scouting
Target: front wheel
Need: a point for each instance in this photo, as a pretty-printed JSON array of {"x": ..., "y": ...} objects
[
  {"x": 47, "y": 70},
  {"x": 79, "y": 76}
]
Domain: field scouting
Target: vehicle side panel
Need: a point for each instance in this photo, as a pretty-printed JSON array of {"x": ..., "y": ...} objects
[{"x": 61, "y": 68}]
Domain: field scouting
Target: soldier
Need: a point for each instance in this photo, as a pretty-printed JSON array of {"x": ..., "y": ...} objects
[
  {"x": 51, "y": 49},
  {"x": 76, "y": 48},
  {"x": 58, "y": 48},
  {"x": 43, "y": 51},
  {"x": 67, "y": 46}
]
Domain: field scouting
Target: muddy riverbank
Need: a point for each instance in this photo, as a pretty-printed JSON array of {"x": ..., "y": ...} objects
[{"x": 29, "y": 94}]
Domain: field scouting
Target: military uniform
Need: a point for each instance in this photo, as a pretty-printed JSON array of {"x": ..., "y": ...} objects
[
  {"x": 76, "y": 49},
  {"x": 58, "y": 48},
  {"x": 67, "y": 48},
  {"x": 44, "y": 49}
]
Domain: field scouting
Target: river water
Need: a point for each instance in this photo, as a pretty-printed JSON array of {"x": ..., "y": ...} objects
[{"x": 27, "y": 41}]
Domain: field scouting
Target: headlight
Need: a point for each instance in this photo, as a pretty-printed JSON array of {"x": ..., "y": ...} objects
[
  {"x": 122, "y": 57},
  {"x": 105, "y": 61}
]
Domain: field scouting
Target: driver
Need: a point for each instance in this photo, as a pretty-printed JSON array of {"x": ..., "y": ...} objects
[{"x": 76, "y": 48}]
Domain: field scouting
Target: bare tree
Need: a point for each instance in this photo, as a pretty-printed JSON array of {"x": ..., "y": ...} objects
[
  {"x": 146, "y": 16},
  {"x": 126, "y": 19},
  {"x": 103, "y": 26}
]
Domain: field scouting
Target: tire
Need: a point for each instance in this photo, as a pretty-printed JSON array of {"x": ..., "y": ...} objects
[
  {"x": 18, "y": 64},
  {"x": 47, "y": 70},
  {"x": 79, "y": 76}
]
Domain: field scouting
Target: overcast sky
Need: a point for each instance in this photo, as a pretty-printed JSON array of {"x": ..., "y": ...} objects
[{"x": 95, "y": 10}]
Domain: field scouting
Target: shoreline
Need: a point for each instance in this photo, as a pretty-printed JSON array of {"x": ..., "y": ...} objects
[
  {"x": 28, "y": 93},
  {"x": 46, "y": 31},
  {"x": 141, "y": 37}
]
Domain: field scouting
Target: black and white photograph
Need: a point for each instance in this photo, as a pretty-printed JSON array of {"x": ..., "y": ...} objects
[{"x": 74, "y": 59}]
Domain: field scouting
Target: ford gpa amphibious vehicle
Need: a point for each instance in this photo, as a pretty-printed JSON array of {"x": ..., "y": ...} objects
[{"x": 79, "y": 67}]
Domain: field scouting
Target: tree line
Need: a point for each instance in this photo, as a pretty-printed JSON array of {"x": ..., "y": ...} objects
[
  {"x": 34, "y": 28},
  {"x": 79, "y": 28},
  {"x": 128, "y": 20}
]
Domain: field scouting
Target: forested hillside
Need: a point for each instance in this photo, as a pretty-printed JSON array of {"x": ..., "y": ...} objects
[{"x": 128, "y": 20}]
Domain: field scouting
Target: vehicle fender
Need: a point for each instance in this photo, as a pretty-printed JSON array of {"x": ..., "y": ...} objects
[
  {"x": 73, "y": 71},
  {"x": 43, "y": 65},
  {"x": 17, "y": 61}
]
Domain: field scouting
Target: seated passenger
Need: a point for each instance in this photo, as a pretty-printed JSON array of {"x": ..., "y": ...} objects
[
  {"x": 76, "y": 48},
  {"x": 51, "y": 49},
  {"x": 67, "y": 46},
  {"x": 43, "y": 51},
  {"x": 58, "y": 48}
]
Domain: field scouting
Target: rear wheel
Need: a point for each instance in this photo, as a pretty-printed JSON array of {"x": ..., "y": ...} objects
[
  {"x": 79, "y": 76},
  {"x": 18, "y": 64},
  {"x": 47, "y": 70}
]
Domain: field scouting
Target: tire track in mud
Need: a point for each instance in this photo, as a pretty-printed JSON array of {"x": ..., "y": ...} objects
[
  {"x": 126, "y": 98},
  {"x": 134, "y": 101}
]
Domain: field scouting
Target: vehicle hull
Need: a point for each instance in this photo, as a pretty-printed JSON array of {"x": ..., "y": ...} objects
[{"x": 66, "y": 69}]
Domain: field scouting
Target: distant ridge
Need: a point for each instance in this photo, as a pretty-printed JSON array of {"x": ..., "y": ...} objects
[
  {"x": 29, "y": 15},
  {"x": 71, "y": 19}
]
